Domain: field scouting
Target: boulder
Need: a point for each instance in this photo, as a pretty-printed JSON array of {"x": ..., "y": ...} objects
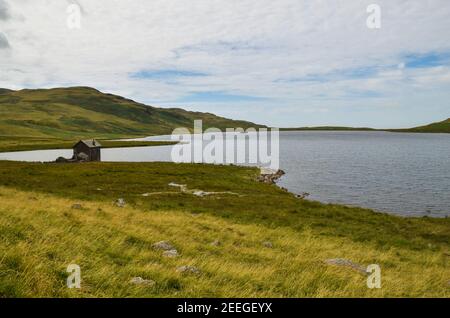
[
  {"x": 77, "y": 206},
  {"x": 188, "y": 270},
  {"x": 163, "y": 245},
  {"x": 141, "y": 281},
  {"x": 120, "y": 203},
  {"x": 270, "y": 176},
  {"x": 171, "y": 254}
]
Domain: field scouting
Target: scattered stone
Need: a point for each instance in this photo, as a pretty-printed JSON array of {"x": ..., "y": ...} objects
[
  {"x": 163, "y": 245},
  {"x": 188, "y": 270},
  {"x": 77, "y": 206},
  {"x": 141, "y": 281},
  {"x": 198, "y": 193},
  {"x": 346, "y": 263},
  {"x": 33, "y": 198},
  {"x": 268, "y": 244},
  {"x": 120, "y": 203},
  {"x": 171, "y": 253},
  {"x": 216, "y": 243},
  {"x": 270, "y": 176}
]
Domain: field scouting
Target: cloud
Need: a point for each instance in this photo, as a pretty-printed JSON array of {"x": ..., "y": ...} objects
[
  {"x": 241, "y": 58},
  {"x": 4, "y": 44},
  {"x": 4, "y": 10}
]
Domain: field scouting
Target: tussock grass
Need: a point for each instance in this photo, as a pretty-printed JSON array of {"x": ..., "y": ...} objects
[{"x": 40, "y": 235}]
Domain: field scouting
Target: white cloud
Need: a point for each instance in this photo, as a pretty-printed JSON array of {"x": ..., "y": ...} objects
[{"x": 246, "y": 47}]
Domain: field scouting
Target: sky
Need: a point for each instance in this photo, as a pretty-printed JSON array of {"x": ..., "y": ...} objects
[{"x": 284, "y": 63}]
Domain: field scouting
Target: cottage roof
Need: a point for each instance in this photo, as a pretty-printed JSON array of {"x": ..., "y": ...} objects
[{"x": 91, "y": 143}]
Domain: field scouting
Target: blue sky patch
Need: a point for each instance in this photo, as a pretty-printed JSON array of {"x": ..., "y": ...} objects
[
  {"x": 427, "y": 60},
  {"x": 218, "y": 97}
]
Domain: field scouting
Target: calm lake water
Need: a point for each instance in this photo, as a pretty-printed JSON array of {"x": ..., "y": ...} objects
[{"x": 404, "y": 174}]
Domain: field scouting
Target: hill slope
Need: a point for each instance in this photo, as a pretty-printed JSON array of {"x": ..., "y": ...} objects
[
  {"x": 439, "y": 127},
  {"x": 76, "y": 112}
]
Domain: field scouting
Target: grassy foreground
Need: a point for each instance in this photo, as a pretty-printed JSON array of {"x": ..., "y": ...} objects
[{"x": 41, "y": 234}]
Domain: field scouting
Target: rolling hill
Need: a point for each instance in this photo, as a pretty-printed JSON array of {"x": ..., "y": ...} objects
[
  {"x": 77, "y": 112},
  {"x": 439, "y": 127}
]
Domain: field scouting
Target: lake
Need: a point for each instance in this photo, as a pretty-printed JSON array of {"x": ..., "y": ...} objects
[{"x": 400, "y": 173}]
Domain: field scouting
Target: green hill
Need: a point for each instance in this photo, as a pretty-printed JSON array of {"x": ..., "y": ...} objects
[
  {"x": 439, "y": 127},
  {"x": 77, "y": 112}
]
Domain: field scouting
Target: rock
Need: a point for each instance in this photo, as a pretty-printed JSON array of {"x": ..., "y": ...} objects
[
  {"x": 303, "y": 195},
  {"x": 77, "y": 206},
  {"x": 270, "y": 176},
  {"x": 216, "y": 243},
  {"x": 268, "y": 244},
  {"x": 199, "y": 193},
  {"x": 188, "y": 270},
  {"x": 141, "y": 281},
  {"x": 120, "y": 203},
  {"x": 346, "y": 263},
  {"x": 163, "y": 245},
  {"x": 171, "y": 253}
]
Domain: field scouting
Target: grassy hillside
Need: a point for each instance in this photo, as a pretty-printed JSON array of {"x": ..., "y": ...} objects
[
  {"x": 80, "y": 112},
  {"x": 439, "y": 127},
  {"x": 224, "y": 235}
]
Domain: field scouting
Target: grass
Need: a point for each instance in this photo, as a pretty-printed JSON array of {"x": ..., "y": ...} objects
[{"x": 40, "y": 235}]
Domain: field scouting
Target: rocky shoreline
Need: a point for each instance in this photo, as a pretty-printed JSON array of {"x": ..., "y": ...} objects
[{"x": 271, "y": 176}]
